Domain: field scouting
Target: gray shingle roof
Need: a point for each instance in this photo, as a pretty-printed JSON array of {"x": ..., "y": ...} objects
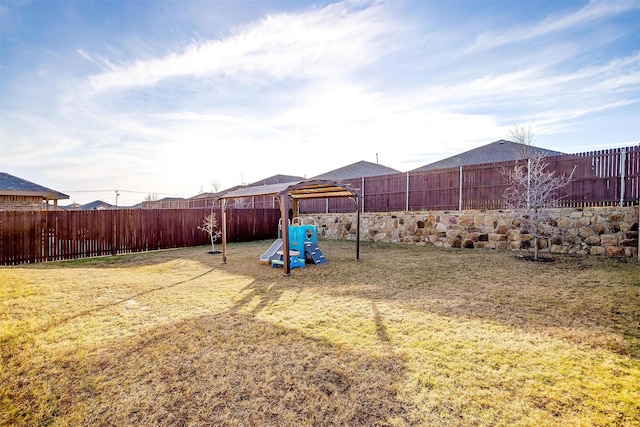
[
  {"x": 96, "y": 205},
  {"x": 10, "y": 184},
  {"x": 498, "y": 151},
  {"x": 357, "y": 170},
  {"x": 276, "y": 179}
]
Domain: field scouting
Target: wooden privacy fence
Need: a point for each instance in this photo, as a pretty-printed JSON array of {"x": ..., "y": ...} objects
[
  {"x": 600, "y": 178},
  {"x": 36, "y": 236}
]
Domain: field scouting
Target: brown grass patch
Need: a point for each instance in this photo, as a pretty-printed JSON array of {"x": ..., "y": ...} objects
[{"x": 406, "y": 336}]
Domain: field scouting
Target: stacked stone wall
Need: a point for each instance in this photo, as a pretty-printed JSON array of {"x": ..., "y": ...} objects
[{"x": 603, "y": 231}]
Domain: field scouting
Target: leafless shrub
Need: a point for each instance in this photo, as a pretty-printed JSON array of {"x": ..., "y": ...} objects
[
  {"x": 533, "y": 190},
  {"x": 210, "y": 226}
]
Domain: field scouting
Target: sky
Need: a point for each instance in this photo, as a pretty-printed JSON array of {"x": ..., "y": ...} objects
[{"x": 174, "y": 98}]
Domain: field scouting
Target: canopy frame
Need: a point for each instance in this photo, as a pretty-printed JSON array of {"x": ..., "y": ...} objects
[{"x": 289, "y": 196}]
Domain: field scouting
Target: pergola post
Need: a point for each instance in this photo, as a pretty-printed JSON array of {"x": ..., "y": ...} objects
[
  {"x": 285, "y": 202},
  {"x": 296, "y": 208},
  {"x": 224, "y": 231}
]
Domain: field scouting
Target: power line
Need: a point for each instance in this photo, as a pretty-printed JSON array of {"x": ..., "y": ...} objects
[{"x": 122, "y": 191}]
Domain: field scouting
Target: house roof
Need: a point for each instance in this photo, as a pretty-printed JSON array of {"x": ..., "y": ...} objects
[
  {"x": 204, "y": 196},
  {"x": 12, "y": 185},
  {"x": 97, "y": 205},
  {"x": 498, "y": 151},
  {"x": 357, "y": 170},
  {"x": 277, "y": 179},
  {"x": 72, "y": 206}
]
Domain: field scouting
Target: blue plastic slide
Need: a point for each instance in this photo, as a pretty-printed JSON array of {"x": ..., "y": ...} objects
[{"x": 271, "y": 252}]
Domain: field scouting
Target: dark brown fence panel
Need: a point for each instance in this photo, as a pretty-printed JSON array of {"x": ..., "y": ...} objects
[
  {"x": 313, "y": 206},
  {"x": 483, "y": 186},
  {"x": 385, "y": 193},
  {"x": 597, "y": 177},
  {"x": 632, "y": 175},
  {"x": 244, "y": 225},
  {"x": 36, "y": 236},
  {"x": 343, "y": 204},
  {"x": 440, "y": 190},
  {"x": 266, "y": 224},
  {"x": 582, "y": 188}
]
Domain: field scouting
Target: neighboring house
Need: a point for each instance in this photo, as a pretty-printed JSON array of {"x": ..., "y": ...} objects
[
  {"x": 97, "y": 205},
  {"x": 357, "y": 170},
  {"x": 276, "y": 179},
  {"x": 72, "y": 207},
  {"x": 17, "y": 194},
  {"x": 498, "y": 151}
]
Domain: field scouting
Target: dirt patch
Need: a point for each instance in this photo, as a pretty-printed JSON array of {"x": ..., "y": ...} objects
[{"x": 531, "y": 258}]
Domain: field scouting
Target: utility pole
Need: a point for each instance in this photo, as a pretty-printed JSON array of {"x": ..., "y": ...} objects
[{"x": 117, "y": 194}]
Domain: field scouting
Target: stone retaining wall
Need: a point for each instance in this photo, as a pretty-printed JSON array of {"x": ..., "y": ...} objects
[{"x": 608, "y": 231}]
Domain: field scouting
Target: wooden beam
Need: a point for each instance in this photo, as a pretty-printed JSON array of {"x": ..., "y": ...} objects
[
  {"x": 224, "y": 231},
  {"x": 284, "y": 214}
]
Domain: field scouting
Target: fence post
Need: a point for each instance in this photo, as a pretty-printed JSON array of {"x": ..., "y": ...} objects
[
  {"x": 407, "y": 204},
  {"x": 623, "y": 161},
  {"x": 528, "y": 183},
  {"x": 363, "y": 194},
  {"x": 460, "y": 197}
]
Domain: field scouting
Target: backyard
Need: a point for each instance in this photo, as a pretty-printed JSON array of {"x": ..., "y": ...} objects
[{"x": 407, "y": 336}]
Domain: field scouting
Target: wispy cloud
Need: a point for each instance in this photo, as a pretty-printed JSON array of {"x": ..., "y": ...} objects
[
  {"x": 543, "y": 84},
  {"x": 593, "y": 11},
  {"x": 330, "y": 41}
]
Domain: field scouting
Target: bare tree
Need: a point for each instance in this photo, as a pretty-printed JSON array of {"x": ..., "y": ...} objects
[
  {"x": 151, "y": 197},
  {"x": 215, "y": 186},
  {"x": 533, "y": 190},
  {"x": 210, "y": 226},
  {"x": 525, "y": 136}
]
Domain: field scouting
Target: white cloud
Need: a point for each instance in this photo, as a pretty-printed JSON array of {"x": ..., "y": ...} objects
[
  {"x": 593, "y": 11},
  {"x": 334, "y": 40}
]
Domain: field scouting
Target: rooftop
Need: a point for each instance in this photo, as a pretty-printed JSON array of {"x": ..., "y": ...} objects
[
  {"x": 13, "y": 185},
  {"x": 498, "y": 151}
]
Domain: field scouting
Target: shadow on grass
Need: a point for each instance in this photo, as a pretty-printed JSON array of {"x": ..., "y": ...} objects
[
  {"x": 225, "y": 370},
  {"x": 592, "y": 301},
  {"x": 266, "y": 296}
]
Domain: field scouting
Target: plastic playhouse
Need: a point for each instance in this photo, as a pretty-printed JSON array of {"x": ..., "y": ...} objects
[{"x": 303, "y": 246}]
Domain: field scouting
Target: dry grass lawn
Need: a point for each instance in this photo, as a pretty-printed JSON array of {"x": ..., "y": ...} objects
[{"x": 407, "y": 336}]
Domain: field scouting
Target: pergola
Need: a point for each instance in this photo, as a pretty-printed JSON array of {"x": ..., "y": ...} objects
[{"x": 289, "y": 195}]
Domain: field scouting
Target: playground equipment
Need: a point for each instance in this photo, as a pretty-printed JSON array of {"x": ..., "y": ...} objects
[
  {"x": 303, "y": 245},
  {"x": 272, "y": 252}
]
